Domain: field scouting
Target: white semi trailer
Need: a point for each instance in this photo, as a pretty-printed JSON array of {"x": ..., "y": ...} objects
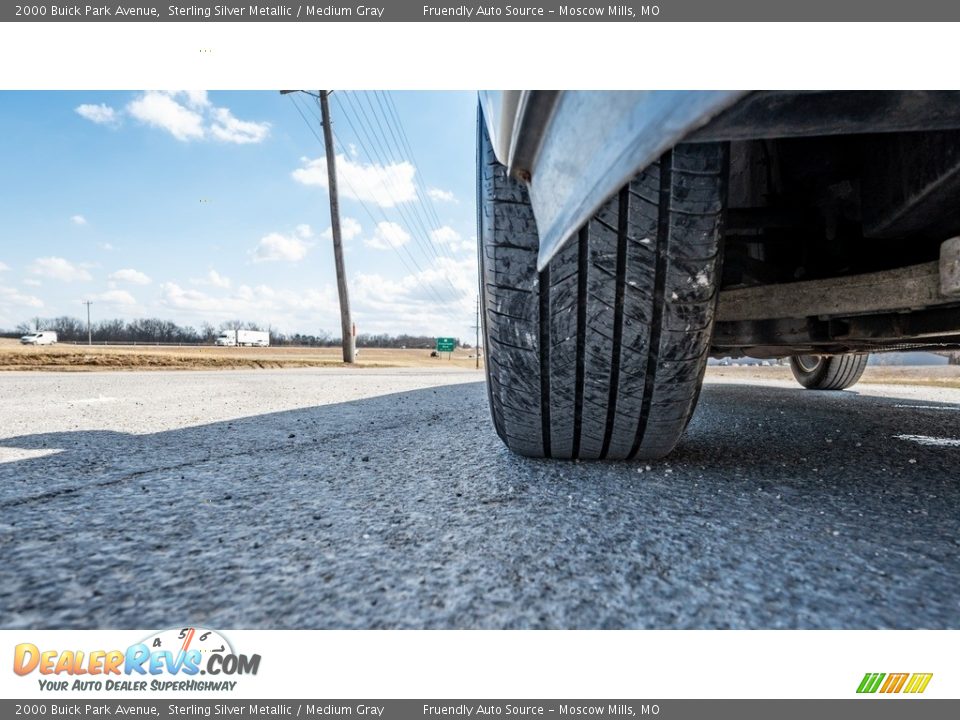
[{"x": 240, "y": 338}]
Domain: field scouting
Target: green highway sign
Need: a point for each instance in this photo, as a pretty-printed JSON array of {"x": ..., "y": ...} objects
[{"x": 446, "y": 344}]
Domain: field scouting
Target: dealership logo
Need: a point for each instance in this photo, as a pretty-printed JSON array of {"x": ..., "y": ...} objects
[
  {"x": 913, "y": 683},
  {"x": 168, "y": 660}
]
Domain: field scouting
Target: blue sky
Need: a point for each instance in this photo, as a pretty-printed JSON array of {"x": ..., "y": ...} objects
[{"x": 196, "y": 207}]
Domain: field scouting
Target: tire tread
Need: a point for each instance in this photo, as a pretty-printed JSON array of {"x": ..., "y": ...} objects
[
  {"x": 834, "y": 372},
  {"x": 601, "y": 354}
]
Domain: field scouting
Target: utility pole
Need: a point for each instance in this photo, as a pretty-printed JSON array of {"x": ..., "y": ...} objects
[
  {"x": 476, "y": 327},
  {"x": 347, "y": 329},
  {"x": 88, "y": 303},
  {"x": 346, "y": 326}
]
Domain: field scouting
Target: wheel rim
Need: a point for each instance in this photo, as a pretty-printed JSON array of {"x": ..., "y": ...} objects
[{"x": 808, "y": 363}]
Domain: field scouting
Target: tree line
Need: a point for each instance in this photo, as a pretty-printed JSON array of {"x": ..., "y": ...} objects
[{"x": 156, "y": 330}]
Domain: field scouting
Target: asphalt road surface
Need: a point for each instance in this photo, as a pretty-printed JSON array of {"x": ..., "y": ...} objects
[{"x": 383, "y": 499}]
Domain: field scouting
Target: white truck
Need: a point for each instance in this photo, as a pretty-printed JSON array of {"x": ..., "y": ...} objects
[
  {"x": 44, "y": 337},
  {"x": 243, "y": 338}
]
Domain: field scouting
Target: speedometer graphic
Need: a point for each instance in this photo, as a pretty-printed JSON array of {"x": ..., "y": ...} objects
[{"x": 183, "y": 639}]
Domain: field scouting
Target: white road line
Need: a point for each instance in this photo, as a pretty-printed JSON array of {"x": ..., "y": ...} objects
[{"x": 931, "y": 441}]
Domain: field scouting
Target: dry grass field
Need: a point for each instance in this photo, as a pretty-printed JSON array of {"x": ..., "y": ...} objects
[
  {"x": 14, "y": 356},
  {"x": 930, "y": 375}
]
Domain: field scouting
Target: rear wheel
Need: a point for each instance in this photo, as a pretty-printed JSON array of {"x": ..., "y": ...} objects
[
  {"x": 828, "y": 372},
  {"x": 602, "y": 353}
]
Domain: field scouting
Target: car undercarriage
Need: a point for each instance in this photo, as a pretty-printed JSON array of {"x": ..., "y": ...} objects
[{"x": 839, "y": 225}]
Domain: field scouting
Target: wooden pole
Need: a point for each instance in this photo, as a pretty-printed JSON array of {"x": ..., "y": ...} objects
[{"x": 346, "y": 326}]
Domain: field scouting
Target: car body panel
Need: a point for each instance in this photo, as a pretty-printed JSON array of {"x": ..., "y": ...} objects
[{"x": 576, "y": 148}]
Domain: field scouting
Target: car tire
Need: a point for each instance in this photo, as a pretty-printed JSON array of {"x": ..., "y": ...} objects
[
  {"x": 828, "y": 372},
  {"x": 601, "y": 354}
]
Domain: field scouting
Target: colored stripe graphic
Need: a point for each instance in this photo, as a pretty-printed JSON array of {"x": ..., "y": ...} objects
[
  {"x": 870, "y": 682},
  {"x": 894, "y": 683},
  {"x": 918, "y": 682}
]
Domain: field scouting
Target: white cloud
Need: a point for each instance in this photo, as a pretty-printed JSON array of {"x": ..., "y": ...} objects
[
  {"x": 31, "y": 282},
  {"x": 218, "y": 280},
  {"x": 185, "y": 299},
  {"x": 388, "y": 235},
  {"x": 10, "y": 297},
  {"x": 106, "y": 246},
  {"x": 213, "y": 279},
  {"x": 445, "y": 235},
  {"x": 227, "y": 128},
  {"x": 159, "y": 109},
  {"x": 435, "y": 300},
  {"x": 450, "y": 238},
  {"x": 189, "y": 115},
  {"x": 300, "y": 308},
  {"x": 59, "y": 269},
  {"x": 349, "y": 229},
  {"x": 275, "y": 246},
  {"x": 383, "y": 185},
  {"x": 304, "y": 231},
  {"x": 14, "y": 306},
  {"x": 442, "y": 195},
  {"x": 195, "y": 98},
  {"x": 4, "y": 267},
  {"x": 116, "y": 297},
  {"x": 78, "y": 220},
  {"x": 129, "y": 275},
  {"x": 100, "y": 114}
]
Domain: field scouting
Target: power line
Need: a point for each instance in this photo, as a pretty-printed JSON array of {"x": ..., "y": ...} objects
[
  {"x": 426, "y": 288},
  {"x": 386, "y": 113},
  {"x": 390, "y": 109},
  {"x": 383, "y": 157},
  {"x": 406, "y": 143},
  {"x": 357, "y": 197},
  {"x": 384, "y": 163},
  {"x": 421, "y": 206}
]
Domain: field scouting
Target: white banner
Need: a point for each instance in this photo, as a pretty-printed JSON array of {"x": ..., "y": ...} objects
[{"x": 472, "y": 664}]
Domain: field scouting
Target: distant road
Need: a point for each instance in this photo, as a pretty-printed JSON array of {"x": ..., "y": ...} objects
[
  {"x": 143, "y": 356},
  {"x": 382, "y": 498}
]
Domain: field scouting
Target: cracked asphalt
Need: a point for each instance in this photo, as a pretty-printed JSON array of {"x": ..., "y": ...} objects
[{"x": 383, "y": 499}]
